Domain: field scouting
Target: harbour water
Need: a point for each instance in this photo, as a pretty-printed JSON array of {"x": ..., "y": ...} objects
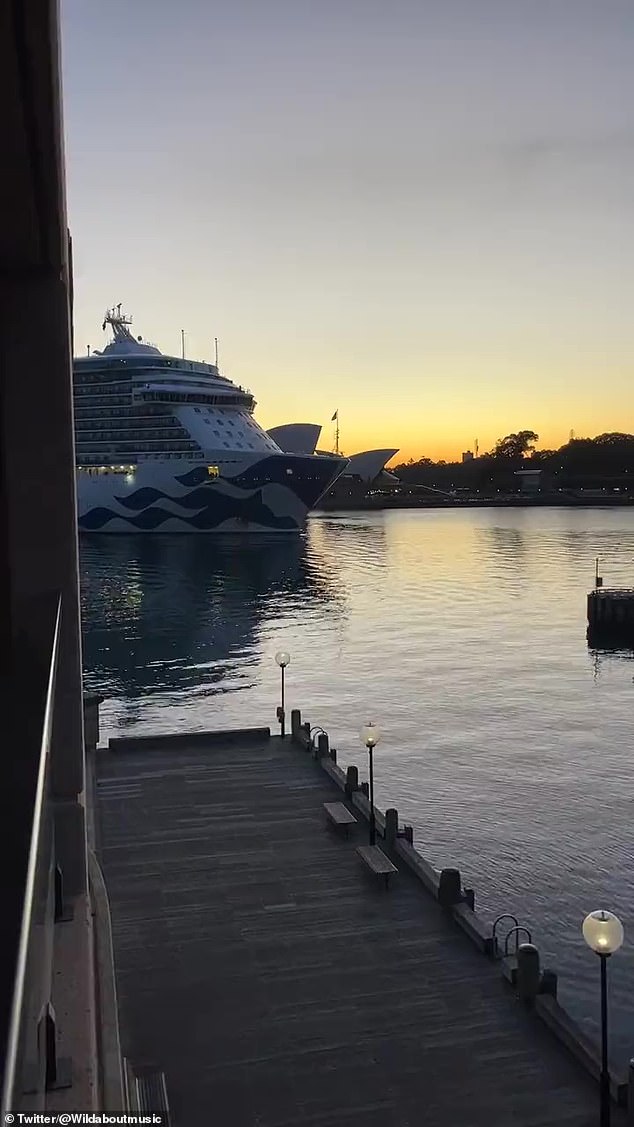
[{"x": 506, "y": 741}]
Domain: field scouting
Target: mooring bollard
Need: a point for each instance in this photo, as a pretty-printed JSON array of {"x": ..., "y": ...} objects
[
  {"x": 352, "y": 781},
  {"x": 365, "y": 789},
  {"x": 322, "y": 746},
  {"x": 548, "y": 983},
  {"x": 391, "y": 827},
  {"x": 449, "y": 887},
  {"x": 469, "y": 898},
  {"x": 528, "y": 976},
  {"x": 333, "y": 754},
  {"x": 296, "y": 721}
]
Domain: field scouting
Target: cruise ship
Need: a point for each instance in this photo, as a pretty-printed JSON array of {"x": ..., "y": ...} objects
[{"x": 165, "y": 444}]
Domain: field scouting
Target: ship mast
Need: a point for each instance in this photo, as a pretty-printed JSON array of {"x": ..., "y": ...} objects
[{"x": 119, "y": 323}]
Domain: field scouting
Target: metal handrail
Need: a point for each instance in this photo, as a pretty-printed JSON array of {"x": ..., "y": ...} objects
[
  {"x": 517, "y": 941},
  {"x": 316, "y": 728},
  {"x": 504, "y": 916},
  {"x": 17, "y": 1006}
]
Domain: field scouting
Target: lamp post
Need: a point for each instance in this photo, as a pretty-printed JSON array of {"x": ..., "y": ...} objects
[
  {"x": 283, "y": 659},
  {"x": 603, "y": 932},
  {"x": 371, "y": 736}
]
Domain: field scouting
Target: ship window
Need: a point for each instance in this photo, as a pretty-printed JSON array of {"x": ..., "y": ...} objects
[
  {"x": 213, "y": 471},
  {"x": 289, "y": 471}
]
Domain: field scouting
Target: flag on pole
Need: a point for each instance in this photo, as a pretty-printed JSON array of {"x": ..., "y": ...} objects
[{"x": 335, "y": 416}]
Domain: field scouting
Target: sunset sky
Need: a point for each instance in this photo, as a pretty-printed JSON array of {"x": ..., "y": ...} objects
[{"x": 418, "y": 212}]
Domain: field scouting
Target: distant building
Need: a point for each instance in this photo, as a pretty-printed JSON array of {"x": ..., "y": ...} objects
[
  {"x": 467, "y": 456},
  {"x": 530, "y": 480}
]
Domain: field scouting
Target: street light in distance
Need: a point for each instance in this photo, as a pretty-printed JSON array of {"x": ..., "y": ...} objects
[
  {"x": 283, "y": 659},
  {"x": 371, "y": 735}
]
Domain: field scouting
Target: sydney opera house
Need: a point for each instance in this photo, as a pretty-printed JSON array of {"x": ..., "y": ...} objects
[{"x": 365, "y": 474}]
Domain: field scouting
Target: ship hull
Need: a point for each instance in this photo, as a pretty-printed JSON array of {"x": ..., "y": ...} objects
[{"x": 262, "y": 495}]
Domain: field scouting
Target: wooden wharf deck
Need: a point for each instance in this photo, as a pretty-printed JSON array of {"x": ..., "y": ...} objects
[{"x": 276, "y": 987}]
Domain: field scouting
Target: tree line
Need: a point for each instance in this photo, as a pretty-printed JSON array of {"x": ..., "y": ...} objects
[{"x": 606, "y": 461}]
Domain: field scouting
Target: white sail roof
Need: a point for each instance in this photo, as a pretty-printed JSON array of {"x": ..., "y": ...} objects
[{"x": 296, "y": 438}]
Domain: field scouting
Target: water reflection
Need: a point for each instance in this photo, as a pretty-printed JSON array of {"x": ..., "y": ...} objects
[
  {"x": 509, "y": 551},
  {"x": 184, "y": 613},
  {"x": 368, "y": 532},
  {"x": 604, "y": 657}
]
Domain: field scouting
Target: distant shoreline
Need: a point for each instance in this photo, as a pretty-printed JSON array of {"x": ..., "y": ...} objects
[{"x": 510, "y": 502}]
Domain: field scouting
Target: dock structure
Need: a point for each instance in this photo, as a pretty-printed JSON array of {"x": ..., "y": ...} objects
[
  {"x": 272, "y": 982},
  {"x": 611, "y": 615}
]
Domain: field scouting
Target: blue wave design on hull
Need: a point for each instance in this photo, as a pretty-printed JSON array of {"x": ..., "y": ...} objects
[
  {"x": 307, "y": 476},
  {"x": 141, "y": 498},
  {"x": 193, "y": 477},
  {"x": 217, "y": 508}
]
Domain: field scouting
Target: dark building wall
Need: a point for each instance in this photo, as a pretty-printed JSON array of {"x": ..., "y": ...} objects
[{"x": 38, "y": 539}]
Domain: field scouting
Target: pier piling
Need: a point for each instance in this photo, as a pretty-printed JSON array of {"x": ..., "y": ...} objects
[
  {"x": 391, "y": 827},
  {"x": 352, "y": 781},
  {"x": 450, "y": 887},
  {"x": 528, "y": 972},
  {"x": 611, "y": 614}
]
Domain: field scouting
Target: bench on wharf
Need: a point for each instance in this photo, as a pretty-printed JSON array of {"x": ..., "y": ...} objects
[
  {"x": 376, "y": 861},
  {"x": 340, "y": 816}
]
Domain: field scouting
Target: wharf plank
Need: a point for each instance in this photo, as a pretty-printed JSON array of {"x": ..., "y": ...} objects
[{"x": 275, "y": 986}]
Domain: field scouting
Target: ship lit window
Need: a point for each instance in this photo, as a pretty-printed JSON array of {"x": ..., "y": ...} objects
[
  {"x": 213, "y": 471},
  {"x": 289, "y": 470}
]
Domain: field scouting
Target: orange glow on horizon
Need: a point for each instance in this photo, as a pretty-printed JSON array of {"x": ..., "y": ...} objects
[{"x": 353, "y": 440}]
